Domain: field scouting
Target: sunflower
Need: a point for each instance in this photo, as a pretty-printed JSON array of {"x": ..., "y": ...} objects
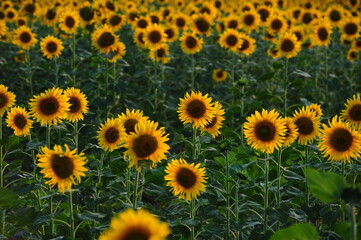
[
  {"x": 110, "y": 134},
  {"x": 308, "y": 16},
  {"x": 49, "y": 107},
  {"x": 187, "y": 180},
  {"x": 119, "y": 52},
  {"x": 69, "y": 21},
  {"x": 139, "y": 224},
  {"x": 142, "y": 22},
  {"x": 299, "y": 31},
  {"x": 180, "y": 20},
  {"x": 288, "y": 46},
  {"x": 202, "y": 24},
  {"x": 265, "y": 131},
  {"x": 322, "y": 33},
  {"x": 78, "y": 104},
  {"x": 196, "y": 109},
  {"x": 352, "y": 113},
  {"x": 276, "y": 23},
  {"x": 190, "y": 43},
  {"x": 11, "y": 14},
  {"x": 250, "y": 20},
  {"x": 160, "y": 54},
  {"x": 139, "y": 38},
  {"x": 264, "y": 12},
  {"x": 7, "y": 99},
  {"x": 18, "y": 119},
  {"x": 219, "y": 75},
  {"x": 230, "y": 39},
  {"x": 291, "y": 132},
  {"x": 248, "y": 45},
  {"x": 154, "y": 17},
  {"x": 317, "y": 109},
  {"x": 154, "y": 36},
  {"x": 3, "y": 28},
  {"x": 21, "y": 56},
  {"x": 104, "y": 39},
  {"x": 29, "y": 7},
  {"x": 232, "y": 21},
  {"x": 86, "y": 13},
  {"x": 350, "y": 28},
  {"x": 208, "y": 8},
  {"x": 50, "y": 16},
  {"x": 130, "y": 118},
  {"x": 64, "y": 168},
  {"x": 307, "y": 124},
  {"x": 24, "y": 38},
  {"x": 146, "y": 143},
  {"x": 356, "y": 44},
  {"x": 339, "y": 142},
  {"x": 352, "y": 54},
  {"x": 21, "y": 21},
  {"x": 51, "y": 47},
  {"x": 335, "y": 14},
  {"x": 172, "y": 33},
  {"x": 217, "y": 121}
]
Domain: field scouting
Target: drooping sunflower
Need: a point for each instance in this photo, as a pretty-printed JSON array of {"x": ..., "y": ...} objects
[
  {"x": 250, "y": 20},
  {"x": 307, "y": 124},
  {"x": 217, "y": 121},
  {"x": 139, "y": 224},
  {"x": 187, "y": 180},
  {"x": 119, "y": 51},
  {"x": 352, "y": 113},
  {"x": 78, "y": 104},
  {"x": 160, "y": 54},
  {"x": 111, "y": 134},
  {"x": 317, "y": 109},
  {"x": 24, "y": 38},
  {"x": 21, "y": 56},
  {"x": 104, "y": 39},
  {"x": 64, "y": 168},
  {"x": 322, "y": 33},
  {"x": 190, "y": 43},
  {"x": 7, "y": 99},
  {"x": 288, "y": 46},
  {"x": 147, "y": 142},
  {"x": 18, "y": 119},
  {"x": 291, "y": 132},
  {"x": 248, "y": 45},
  {"x": 69, "y": 21},
  {"x": 265, "y": 131},
  {"x": 129, "y": 120},
  {"x": 196, "y": 108},
  {"x": 230, "y": 39},
  {"x": 219, "y": 75},
  {"x": 50, "y": 107},
  {"x": 350, "y": 28},
  {"x": 339, "y": 142},
  {"x": 51, "y": 47}
]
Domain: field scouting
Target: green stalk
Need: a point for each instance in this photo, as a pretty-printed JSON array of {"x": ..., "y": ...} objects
[
  {"x": 242, "y": 113},
  {"x": 52, "y": 225},
  {"x": 285, "y": 87},
  {"x": 192, "y": 73},
  {"x": 279, "y": 164},
  {"x": 237, "y": 206},
  {"x": 56, "y": 71},
  {"x": 265, "y": 202},
  {"x": 194, "y": 147},
  {"x": 192, "y": 213},
  {"x": 29, "y": 76},
  {"x": 155, "y": 82},
  {"x": 307, "y": 191},
  {"x": 2, "y": 225},
  {"x": 135, "y": 193},
  {"x": 228, "y": 209},
  {"x": 76, "y": 136},
  {"x": 71, "y": 217},
  {"x": 353, "y": 224}
]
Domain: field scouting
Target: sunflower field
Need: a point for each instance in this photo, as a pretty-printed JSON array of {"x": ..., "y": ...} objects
[{"x": 180, "y": 119}]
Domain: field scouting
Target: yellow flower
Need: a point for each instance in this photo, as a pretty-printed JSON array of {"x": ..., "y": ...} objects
[
  {"x": 7, "y": 99},
  {"x": 154, "y": 36},
  {"x": 78, "y": 104},
  {"x": 18, "y": 119},
  {"x": 307, "y": 124},
  {"x": 160, "y": 54},
  {"x": 202, "y": 24},
  {"x": 288, "y": 46},
  {"x": 248, "y": 45},
  {"x": 111, "y": 134},
  {"x": 129, "y": 120},
  {"x": 322, "y": 33},
  {"x": 64, "y": 168},
  {"x": 190, "y": 43},
  {"x": 250, "y": 20},
  {"x": 51, "y": 47},
  {"x": 217, "y": 121},
  {"x": 219, "y": 75},
  {"x": 352, "y": 113},
  {"x": 104, "y": 39},
  {"x": 291, "y": 132},
  {"x": 24, "y": 38},
  {"x": 230, "y": 39},
  {"x": 69, "y": 21},
  {"x": 118, "y": 51}
]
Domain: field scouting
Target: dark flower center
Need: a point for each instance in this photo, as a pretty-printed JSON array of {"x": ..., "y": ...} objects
[
  {"x": 140, "y": 37},
  {"x": 106, "y": 39},
  {"x": 335, "y": 15},
  {"x": 20, "y": 121},
  {"x": 155, "y": 36},
  {"x": 3, "y": 100},
  {"x": 110, "y": 6},
  {"x": 75, "y": 104},
  {"x": 322, "y": 34},
  {"x": 69, "y": 22},
  {"x": 2, "y": 15},
  {"x": 211, "y": 123},
  {"x": 191, "y": 42},
  {"x": 21, "y": 22},
  {"x": 245, "y": 45},
  {"x": 30, "y": 8},
  {"x": 10, "y": 15},
  {"x": 50, "y": 14},
  {"x": 233, "y": 24},
  {"x": 129, "y": 125},
  {"x": 160, "y": 53},
  {"x": 142, "y": 23},
  {"x": 205, "y": 10},
  {"x": 219, "y": 74},
  {"x": 86, "y": 13},
  {"x": 154, "y": 19},
  {"x": 196, "y": 109},
  {"x": 112, "y": 135},
  {"x": 249, "y": 19},
  {"x": 49, "y": 106},
  {"x": 25, "y": 37},
  {"x": 299, "y": 35},
  {"x": 186, "y": 178},
  {"x": 287, "y": 45},
  {"x": 51, "y": 47},
  {"x": 145, "y": 145},
  {"x": 304, "y": 125},
  {"x": 202, "y": 25},
  {"x": 166, "y": 13},
  {"x": 136, "y": 234},
  {"x": 133, "y": 16},
  {"x": 265, "y": 131},
  {"x": 296, "y": 14},
  {"x": 264, "y": 13},
  {"x": 355, "y": 112},
  {"x": 231, "y": 40},
  {"x": 180, "y": 22},
  {"x": 62, "y": 166},
  {"x": 276, "y": 24},
  {"x": 115, "y": 20},
  {"x": 341, "y": 140},
  {"x": 350, "y": 28},
  {"x": 170, "y": 33},
  {"x": 217, "y": 4},
  {"x": 307, "y": 18},
  {"x": 353, "y": 55}
]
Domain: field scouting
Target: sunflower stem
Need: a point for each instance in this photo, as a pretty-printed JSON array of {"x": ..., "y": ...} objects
[
  {"x": 192, "y": 213},
  {"x": 76, "y": 136},
  {"x": 194, "y": 147},
  {"x": 279, "y": 175},
  {"x": 155, "y": 82},
  {"x": 71, "y": 217},
  {"x": 353, "y": 224},
  {"x": 135, "y": 190},
  {"x": 29, "y": 75},
  {"x": 285, "y": 87},
  {"x": 2, "y": 225},
  {"x": 192, "y": 72},
  {"x": 265, "y": 202},
  {"x": 52, "y": 226},
  {"x": 307, "y": 191},
  {"x": 73, "y": 62},
  {"x": 237, "y": 207},
  {"x": 56, "y": 71},
  {"x": 228, "y": 210},
  {"x": 242, "y": 113}
]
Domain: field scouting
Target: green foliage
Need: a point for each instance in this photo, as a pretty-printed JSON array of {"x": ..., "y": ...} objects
[{"x": 300, "y": 231}]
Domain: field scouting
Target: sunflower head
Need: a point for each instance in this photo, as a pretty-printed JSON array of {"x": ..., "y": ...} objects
[
  {"x": 186, "y": 180},
  {"x": 230, "y": 39},
  {"x": 63, "y": 167},
  {"x": 51, "y": 47},
  {"x": 339, "y": 142},
  {"x": 202, "y": 24},
  {"x": 219, "y": 75},
  {"x": 190, "y": 43},
  {"x": 248, "y": 45},
  {"x": 287, "y": 45},
  {"x": 49, "y": 107},
  {"x": 111, "y": 134},
  {"x": 18, "y": 119},
  {"x": 265, "y": 131},
  {"x": 307, "y": 124},
  {"x": 216, "y": 123},
  {"x": 139, "y": 224},
  {"x": 317, "y": 109},
  {"x": 104, "y": 39},
  {"x": 291, "y": 133},
  {"x": 69, "y": 21},
  {"x": 130, "y": 119},
  {"x": 352, "y": 54},
  {"x": 24, "y": 38},
  {"x": 78, "y": 104},
  {"x": 119, "y": 51},
  {"x": 7, "y": 99},
  {"x": 160, "y": 54},
  {"x": 322, "y": 33},
  {"x": 352, "y": 113},
  {"x": 154, "y": 36}
]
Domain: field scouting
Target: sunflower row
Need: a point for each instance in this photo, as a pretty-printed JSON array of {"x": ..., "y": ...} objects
[
  {"x": 339, "y": 140},
  {"x": 287, "y": 25}
]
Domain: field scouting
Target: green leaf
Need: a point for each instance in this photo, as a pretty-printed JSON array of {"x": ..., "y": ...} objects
[
  {"x": 326, "y": 186},
  {"x": 300, "y": 231},
  {"x": 7, "y": 197},
  {"x": 343, "y": 229},
  {"x": 90, "y": 216}
]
